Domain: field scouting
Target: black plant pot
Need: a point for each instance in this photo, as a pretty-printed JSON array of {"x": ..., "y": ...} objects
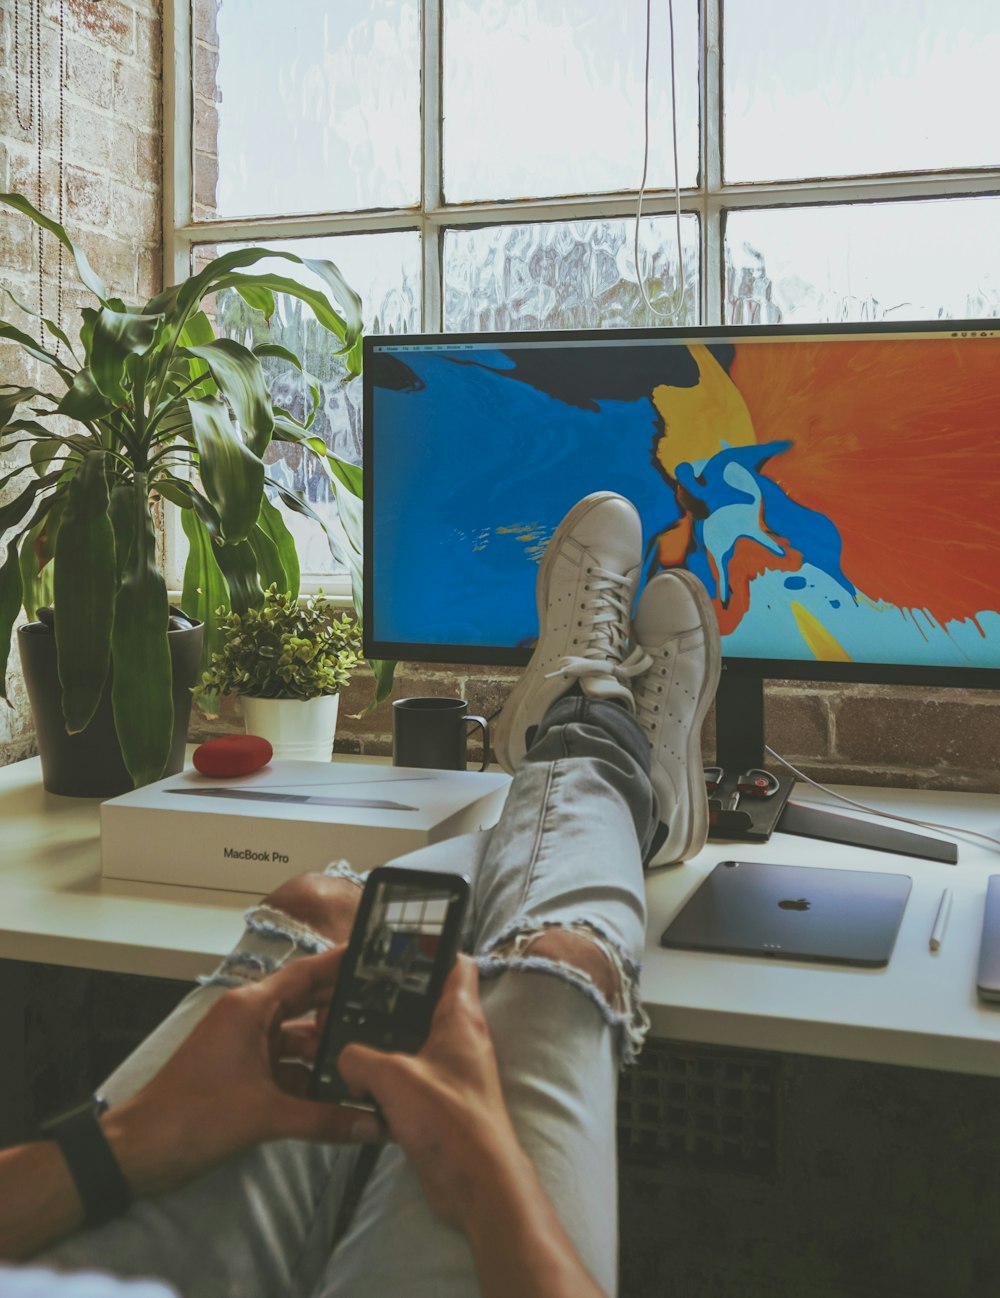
[{"x": 90, "y": 765}]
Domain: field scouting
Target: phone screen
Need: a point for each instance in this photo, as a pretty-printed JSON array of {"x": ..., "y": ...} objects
[{"x": 402, "y": 948}]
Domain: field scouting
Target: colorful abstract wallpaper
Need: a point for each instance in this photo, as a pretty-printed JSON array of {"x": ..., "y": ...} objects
[{"x": 839, "y": 496}]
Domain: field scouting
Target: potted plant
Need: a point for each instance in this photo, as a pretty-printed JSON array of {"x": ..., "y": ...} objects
[
  {"x": 288, "y": 661},
  {"x": 148, "y": 405}
]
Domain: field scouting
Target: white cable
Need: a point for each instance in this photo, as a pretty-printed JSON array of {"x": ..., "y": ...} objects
[
  {"x": 876, "y": 811},
  {"x": 676, "y": 306}
]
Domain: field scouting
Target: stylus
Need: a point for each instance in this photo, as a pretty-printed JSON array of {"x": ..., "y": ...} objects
[{"x": 940, "y": 920}]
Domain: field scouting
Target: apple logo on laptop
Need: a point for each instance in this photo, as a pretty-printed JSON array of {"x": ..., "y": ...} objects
[{"x": 800, "y": 904}]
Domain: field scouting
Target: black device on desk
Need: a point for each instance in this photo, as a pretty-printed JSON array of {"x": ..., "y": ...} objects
[
  {"x": 402, "y": 947},
  {"x": 835, "y": 487}
]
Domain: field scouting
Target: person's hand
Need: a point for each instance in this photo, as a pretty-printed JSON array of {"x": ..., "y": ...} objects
[
  {"x": 233, "y": 1083},
  {"x": 444, "y": 1105}
]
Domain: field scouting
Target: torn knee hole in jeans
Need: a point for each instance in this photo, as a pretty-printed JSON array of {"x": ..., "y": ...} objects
[
  {"x": 272, "y": 938},
  {"x": 580, "y": 954}
]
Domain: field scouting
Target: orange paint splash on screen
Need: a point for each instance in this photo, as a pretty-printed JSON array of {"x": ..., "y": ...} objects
[
  {"x": 748, "y": 561},
  {"x": 898, "y": 443}
]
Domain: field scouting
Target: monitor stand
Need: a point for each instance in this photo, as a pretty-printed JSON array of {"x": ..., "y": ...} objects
[{"x": 739, "y": 730}]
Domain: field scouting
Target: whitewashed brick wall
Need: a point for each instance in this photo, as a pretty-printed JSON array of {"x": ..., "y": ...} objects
[{"x": 112, "y": 141}]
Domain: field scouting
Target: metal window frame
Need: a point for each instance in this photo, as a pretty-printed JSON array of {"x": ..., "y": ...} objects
[{"x": 711, "y": 199}]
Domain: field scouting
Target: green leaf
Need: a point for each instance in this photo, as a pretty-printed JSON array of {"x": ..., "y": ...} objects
[
  {"x": 240, "y": 378},
  {"x": 84, "y": 401},
  {"x": 43, "y": 453},
  {"x": 11, "y": 397},
  {"x": 12, "y": 513},
  {"x": 205, "y": 590},
  {"x": 121, "y": 510},
  {"x": 237, "y": 561},
  {"x": 35, "y": 349},
  {"x": 383, "y": 669},
  {"x": 177, "y": 302},
  {"x": 50, "y": 325},
  {"x": 141, "y": 686},
  {"x": 239, "y": 567},
  {"x": 261, "y": 299},
  {"x": 175, "y": 490},
  {"x": 10, "y": 606},
  {"x": 197, "y": 331},
  {"x": 117, "y": 336},
  {"x": 347, "y": 331},
  {"x": 83, "y": 267},
  {"x": 272, "y": 522},
  {"x": 31, "y": 426},
  {"x": 351, "y": 475},
  {"x": 276, "y": 349},
  {"x": 89, "y": 317},
  {"x": 290, "y": 430},
  {"x": 84, "y": 588},
  {"x": 36, "y": 553},
  {"x": 233, "y": 476},
  {"x": 269, "y": 569}
]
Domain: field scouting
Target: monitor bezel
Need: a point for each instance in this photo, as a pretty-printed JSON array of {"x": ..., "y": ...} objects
[{"x": 750, "y": 668}]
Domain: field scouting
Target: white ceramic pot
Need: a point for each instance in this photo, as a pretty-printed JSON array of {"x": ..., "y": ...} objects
[{"x": 297, "y": 729}]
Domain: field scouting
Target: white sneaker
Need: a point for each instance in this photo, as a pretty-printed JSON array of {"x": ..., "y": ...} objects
[
  {"x": 676, "y": 626},
  {"x": 586, "y": 584}
]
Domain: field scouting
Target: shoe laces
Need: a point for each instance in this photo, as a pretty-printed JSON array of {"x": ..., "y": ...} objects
[
  {"x": 650, "y": 692},
  {"x": 602, "y": 631}
]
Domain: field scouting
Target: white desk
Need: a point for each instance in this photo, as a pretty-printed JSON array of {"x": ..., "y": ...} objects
[{"x": 921, "y": 1011}]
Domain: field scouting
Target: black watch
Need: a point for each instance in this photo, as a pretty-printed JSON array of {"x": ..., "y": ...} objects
[{"x": 99, "y": 1180}]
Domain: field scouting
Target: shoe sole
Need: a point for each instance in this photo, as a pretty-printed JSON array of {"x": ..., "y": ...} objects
[
  {"x": 697, "y": 797},
  {"x": 503, "y": 732}
]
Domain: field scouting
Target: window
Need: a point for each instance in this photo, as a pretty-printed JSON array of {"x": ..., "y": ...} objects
[{"x": 475, "y": 164}]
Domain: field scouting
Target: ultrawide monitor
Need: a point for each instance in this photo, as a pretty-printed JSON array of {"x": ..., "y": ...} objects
[{"x": 837, "y": 489}]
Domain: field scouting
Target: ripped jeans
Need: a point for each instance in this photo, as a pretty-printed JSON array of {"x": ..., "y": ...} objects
[{"x": 567, "y": 852}]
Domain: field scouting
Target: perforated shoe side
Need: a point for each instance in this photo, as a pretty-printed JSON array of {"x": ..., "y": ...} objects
[
  {"x": 676, "y": 627},
  {"x": 585, "y": 589}
]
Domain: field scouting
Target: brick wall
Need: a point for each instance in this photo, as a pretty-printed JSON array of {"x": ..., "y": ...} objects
[
  {"x": 112, "y": 146},
  {"x": 862, "y": 734}
]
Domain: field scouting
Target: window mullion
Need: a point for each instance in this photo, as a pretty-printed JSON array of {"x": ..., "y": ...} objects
[
  {"x": 432, "y": 316},
  {"x": 178, "y": 179},
  {"x": 712, "y": 267}
]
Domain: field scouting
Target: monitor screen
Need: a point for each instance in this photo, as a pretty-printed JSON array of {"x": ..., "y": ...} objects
[{"x": 836, "y": 489}]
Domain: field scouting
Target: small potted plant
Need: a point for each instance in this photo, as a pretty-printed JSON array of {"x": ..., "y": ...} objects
[{"x": 288, "y": 662}]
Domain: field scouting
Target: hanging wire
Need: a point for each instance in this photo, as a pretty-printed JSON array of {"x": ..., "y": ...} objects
[{"x": 675, "y": 309}]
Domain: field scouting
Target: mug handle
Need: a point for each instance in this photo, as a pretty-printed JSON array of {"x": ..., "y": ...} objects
[{"x": 481, "y": 721}]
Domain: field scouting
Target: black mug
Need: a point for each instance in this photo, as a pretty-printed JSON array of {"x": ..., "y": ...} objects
[{"x": 433, "y": 732}]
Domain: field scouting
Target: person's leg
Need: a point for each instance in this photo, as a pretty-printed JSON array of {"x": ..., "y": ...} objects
[
  {"x": 261, "y": 1224},
  {"x": 558, "y": 920},
  {"x": 558, "y": 913}
]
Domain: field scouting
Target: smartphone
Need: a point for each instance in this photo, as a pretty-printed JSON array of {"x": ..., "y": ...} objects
[{"x": 402, "y": 947}]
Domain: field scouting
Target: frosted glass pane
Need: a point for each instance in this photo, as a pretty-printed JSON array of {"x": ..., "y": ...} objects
[
  {"x": 567, "y": 275},
  {"x": 385, "y": 270},
  {"x": 885, "y": 261},
  {"x": 858, "y": 86},
  {"x": 544, "y": 97},
  {"x": 305, "y": 107}
]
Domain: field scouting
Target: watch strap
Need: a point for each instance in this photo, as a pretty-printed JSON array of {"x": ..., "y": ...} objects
[{"x": 99, "y": 1180}]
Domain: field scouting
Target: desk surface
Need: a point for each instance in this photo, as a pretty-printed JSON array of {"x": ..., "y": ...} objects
[{"x": 921, "y": 1011}]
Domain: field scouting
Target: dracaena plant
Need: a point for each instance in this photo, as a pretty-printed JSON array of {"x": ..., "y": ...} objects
[{"x": 148, "y": 404}]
